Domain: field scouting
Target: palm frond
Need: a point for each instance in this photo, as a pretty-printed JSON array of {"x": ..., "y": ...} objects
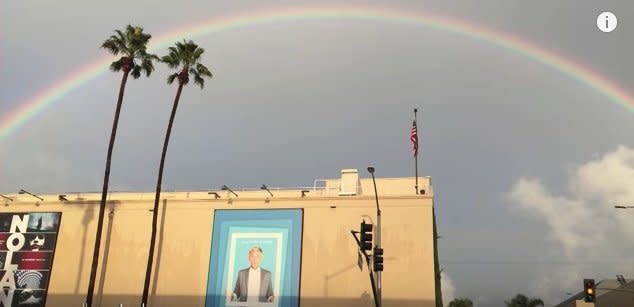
[
  {"x": 171, "y": 60},
  {"x": 120, "y": 40},
  {"x": 186, "y": 50},
  {"x": 180, "y": 46},
  {"x": 170, "y": 78},
  {"x": 111, "y": 46},
  {"x": 200, "y": 81},
  {"x": 139, "y": 42},
  {"x": 147, "y": 66},
  {"x": 203, "y": 70},
  {"x": 191, "y": 50},
  {"x": 197, "y": 78},
  {"x": 178, "y": 51},
  {"x": 120, "y": 35},
  {"x": 136, "y": 71},
  {"x": 173, "y": 51},
  {"x": 198, "y": 52},
  {"x": 116, "y": 65}
]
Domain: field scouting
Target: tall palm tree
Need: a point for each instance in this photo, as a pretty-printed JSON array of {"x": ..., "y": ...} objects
[
  {"x": 461, "y": 302},
  {"x": 184, "y": 56},
  {"x": 437, "y": 269},
  {"x": 521, "y": 300},
  {"x": 130, "y": 44}
]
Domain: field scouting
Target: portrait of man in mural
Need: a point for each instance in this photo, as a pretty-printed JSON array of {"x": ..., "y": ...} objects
[{"x": 253, "y": 283}]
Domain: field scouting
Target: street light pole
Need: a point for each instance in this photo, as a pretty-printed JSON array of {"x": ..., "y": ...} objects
[{"x": 378, "y": 235}]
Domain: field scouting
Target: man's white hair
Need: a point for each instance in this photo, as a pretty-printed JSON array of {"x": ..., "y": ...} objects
[{"x": 256, "y": 249}]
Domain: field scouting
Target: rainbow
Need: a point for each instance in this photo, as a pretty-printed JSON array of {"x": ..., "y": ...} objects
[{"x": 28, "y": 109}]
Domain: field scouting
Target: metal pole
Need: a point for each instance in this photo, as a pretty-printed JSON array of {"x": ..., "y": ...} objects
[
  {"x": 378, "y": 235},
  {"x": 377, "y": 295},
  {"x": 367, "y": 261}
]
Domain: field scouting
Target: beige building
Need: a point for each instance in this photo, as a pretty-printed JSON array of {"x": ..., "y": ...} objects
[{"x": 329, "y": 273}]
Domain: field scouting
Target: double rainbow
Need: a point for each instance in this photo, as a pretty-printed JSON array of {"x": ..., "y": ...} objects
[{"x": 28, "y": 109}]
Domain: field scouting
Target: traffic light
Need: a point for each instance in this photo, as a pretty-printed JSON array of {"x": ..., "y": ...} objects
[
  {"x": 588, "y": 289},
  {"x": 377, "y": 258},
  {"x": 366, "y": 236}
]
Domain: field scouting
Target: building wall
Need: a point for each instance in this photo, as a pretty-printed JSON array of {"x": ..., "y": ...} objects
[{"x": 329, "y": 271}]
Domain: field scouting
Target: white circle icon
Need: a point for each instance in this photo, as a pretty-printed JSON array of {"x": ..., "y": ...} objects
[{"x": 606, "y": 22}]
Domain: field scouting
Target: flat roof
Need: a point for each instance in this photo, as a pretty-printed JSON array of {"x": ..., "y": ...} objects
[{"x": 322, "y": 188}]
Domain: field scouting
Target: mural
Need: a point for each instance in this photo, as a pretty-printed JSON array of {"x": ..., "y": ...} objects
[
  {"x": 27, "y": 246},
  {"x": 255, "y": 258}
]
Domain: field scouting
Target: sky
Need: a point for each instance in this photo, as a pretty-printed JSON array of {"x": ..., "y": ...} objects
[{"x": 526, "y": 161}]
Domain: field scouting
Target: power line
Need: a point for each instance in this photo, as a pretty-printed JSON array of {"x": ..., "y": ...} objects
[
  {"x": 522, "y": 261},
  {"x": 617, "y": 290}
]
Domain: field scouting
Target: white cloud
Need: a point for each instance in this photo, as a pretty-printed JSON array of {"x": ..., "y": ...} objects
[
  {"x": 585, "y": 220},
  {"x": 595, "y": 238},
  {"x": 447, "y": 287},
  {"x": 608, "y": 179}
]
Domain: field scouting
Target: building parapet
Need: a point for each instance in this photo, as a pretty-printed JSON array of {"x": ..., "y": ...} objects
[{"x": 322, "y": 188}]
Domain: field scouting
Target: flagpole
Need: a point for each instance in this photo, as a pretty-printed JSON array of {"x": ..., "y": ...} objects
[{"x": 416, "y": 154}]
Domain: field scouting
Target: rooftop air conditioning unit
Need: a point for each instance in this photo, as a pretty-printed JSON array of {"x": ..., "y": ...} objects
[{"x": 349, "y": 183}]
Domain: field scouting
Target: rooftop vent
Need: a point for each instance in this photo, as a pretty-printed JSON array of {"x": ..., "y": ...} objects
[{"x": 349, "y": 183}]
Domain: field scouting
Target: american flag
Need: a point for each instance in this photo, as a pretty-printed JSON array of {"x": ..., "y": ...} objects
[{"x": 414, "y": 138}]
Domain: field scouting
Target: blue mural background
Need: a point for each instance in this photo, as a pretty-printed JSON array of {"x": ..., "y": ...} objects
[{"x": 254, "y": 227}]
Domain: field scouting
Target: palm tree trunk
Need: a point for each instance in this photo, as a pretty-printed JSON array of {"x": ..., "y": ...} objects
[
  {"x": 104, "y": 192},
  {"x": 150, "y": 259},
  {"x": 437, "y": 280}
]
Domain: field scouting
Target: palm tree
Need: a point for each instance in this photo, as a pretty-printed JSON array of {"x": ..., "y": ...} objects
[
  {"x": 521, "y": 300},
  {"x": 184, "y": 56},
  {"x": 131, "y": 45},
  {"x": 461, "y": 302}
]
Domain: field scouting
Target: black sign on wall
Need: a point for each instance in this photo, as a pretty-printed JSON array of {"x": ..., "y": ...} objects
[{"x": 27, "y": 246}]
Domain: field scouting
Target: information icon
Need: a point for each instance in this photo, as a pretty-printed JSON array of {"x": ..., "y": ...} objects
[{"x": 606, "y": 22}]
